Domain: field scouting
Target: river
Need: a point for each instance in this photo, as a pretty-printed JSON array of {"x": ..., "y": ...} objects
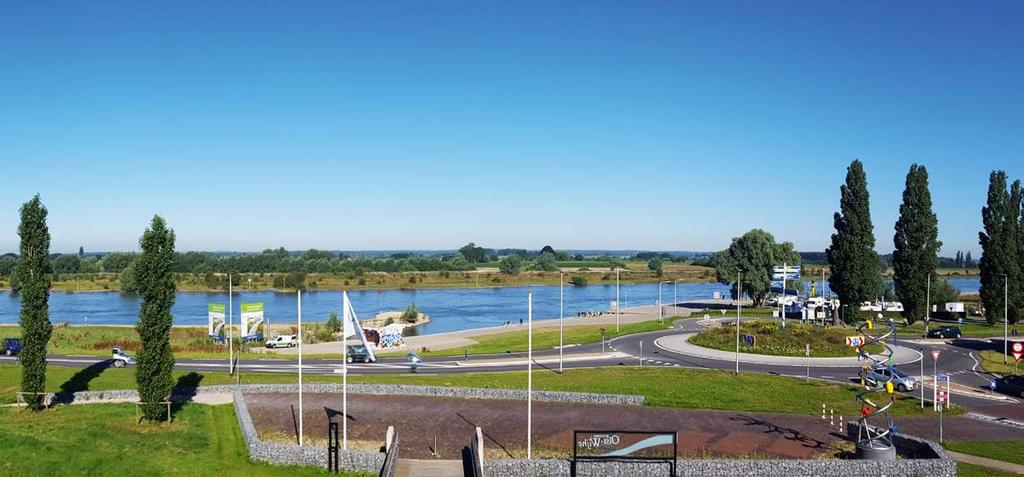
[{"x": 450, "y": 309}]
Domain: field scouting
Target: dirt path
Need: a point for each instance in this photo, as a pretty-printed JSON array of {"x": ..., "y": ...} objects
[{"x": 418, "y": 419}]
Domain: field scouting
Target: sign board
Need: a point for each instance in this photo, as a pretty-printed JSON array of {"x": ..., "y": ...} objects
[
  {"x": 942, "y": 378},
  {"x": 855, "y": 341},
  {"x": 935, "y": 354},
  {"x": 748, "y": 340},
  {"x": 215, "y": 318},
  {"x": 252, "y": 318},
  {"x": 716, "y": 295},
  {"x": 617, "y": 446},
  {"x": 1018, "y": 350}
]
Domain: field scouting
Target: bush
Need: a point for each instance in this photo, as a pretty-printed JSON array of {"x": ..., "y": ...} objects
[
  {"x": 410, "y": 314},
  {"x": 578, "y": 280},
  {"x": 333, "y": 323},
  {"x": 511, "y": 264}
]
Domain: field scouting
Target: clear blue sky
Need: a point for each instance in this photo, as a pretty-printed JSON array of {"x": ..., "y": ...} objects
[{"x": 357, "y": 125}]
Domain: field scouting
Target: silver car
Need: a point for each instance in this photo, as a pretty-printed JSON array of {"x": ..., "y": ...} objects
[{"x": 901, "y": 381}]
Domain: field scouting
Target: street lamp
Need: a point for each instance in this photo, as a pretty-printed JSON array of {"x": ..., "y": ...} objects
[
  {"x": 561, "y": 307},
  {"x": 739, "y": 306},
  {"x": 616, "y": 299},
  {"x": 1006, "y": 315},
  {"x": 661, "y": 308}
]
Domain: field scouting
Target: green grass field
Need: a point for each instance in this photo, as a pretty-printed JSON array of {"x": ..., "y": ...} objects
[
  {"x": 971, "y": 327},
  {"x": 672, "y": 387},
  {"x": 105, "y": 439},
  {"x": 515, "y": 341},
  {"x": 771, "y": 339},
  {"x": 1006, "y": 451},
  {"x": 969, "y": 470},
  {"x": 992, "y": 362}
]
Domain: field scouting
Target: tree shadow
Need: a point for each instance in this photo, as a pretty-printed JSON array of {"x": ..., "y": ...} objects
[
  {"x": 79, "y": 382},
  {"x": 184, "y": 391},
  {"x": 786, "y": 432}
]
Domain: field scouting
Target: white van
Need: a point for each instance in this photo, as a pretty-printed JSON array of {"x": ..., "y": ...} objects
[{"x": 282, "y": 341}]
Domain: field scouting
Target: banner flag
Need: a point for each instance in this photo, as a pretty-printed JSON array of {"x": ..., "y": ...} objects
[
  {"x": 215, "y": 319},
  {"x": 352, "y": 327},
  {"x": 252, "y": 318}
]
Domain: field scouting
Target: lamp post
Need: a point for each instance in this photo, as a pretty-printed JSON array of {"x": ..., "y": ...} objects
[
  {"x": 661, "y": 308},
  {"x": 616, "y": 299},
  {"x": 928, "y": 305},
  {"x": 561, "y": 313},
  {"x": 739, "y": 306},
  {"x": 1006, "y": 315}
]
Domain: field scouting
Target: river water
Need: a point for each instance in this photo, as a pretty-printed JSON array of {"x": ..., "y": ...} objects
[{"x": 450, "y": 309}]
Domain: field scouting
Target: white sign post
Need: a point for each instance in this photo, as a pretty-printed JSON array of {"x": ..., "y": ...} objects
[{"x": 529, "y": 374}]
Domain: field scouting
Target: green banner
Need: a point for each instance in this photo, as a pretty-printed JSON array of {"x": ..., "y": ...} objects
[
  {"x": 215, "y": 307},
  {"x": 251, "y": 307}
]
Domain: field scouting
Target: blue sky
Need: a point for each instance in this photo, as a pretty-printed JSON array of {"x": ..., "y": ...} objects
[{"x": 357, "y": 125}]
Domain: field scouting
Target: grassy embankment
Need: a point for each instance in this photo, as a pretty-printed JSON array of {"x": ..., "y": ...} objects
[
  {"x": 1006, "y": 451},
  {"x": 105, "y": 439},
  {"x": 992, "y": 362},
  {"x": 671, "y": 387},
  {"x": 771, "y": 339},
  {"x": 486, "y": 275}
]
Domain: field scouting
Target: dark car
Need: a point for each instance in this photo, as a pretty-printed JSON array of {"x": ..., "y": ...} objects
[
  {"x": 944, "y": 332},
  {"x": 1012, "y": 385},
  {"x": 357, "y": 353},
  {"x": 12, "y": 346}
]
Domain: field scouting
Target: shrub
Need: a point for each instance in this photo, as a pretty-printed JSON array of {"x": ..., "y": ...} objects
[
  {"x": 410, "y": 314},
  {"x": 578, "y": 280},
  {"x": 333, "y": 322}
]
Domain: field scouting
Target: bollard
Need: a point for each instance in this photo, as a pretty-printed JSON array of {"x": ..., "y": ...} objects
[
  {"x": 822, "y": 411},
  {"x": 831, "y": 417},
  {"x": 840, "y": 424}
]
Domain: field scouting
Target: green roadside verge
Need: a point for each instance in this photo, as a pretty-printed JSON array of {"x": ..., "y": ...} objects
[
  {"x": 970, "y": 470},
  {"x": 670, "y": 387},
  {"x": 106, "y": 439},
  {"x": 1006, "y": 451}
]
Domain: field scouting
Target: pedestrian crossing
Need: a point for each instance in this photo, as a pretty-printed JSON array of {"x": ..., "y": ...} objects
[{"x": 995, "y": 420}]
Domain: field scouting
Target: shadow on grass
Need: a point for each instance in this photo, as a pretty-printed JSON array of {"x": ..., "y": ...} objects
[
  {"x": 184, "y": 391},
  {"x": 79, "y": 382}
]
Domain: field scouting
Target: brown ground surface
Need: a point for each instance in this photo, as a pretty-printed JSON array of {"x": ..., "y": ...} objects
[{"x": 417, "y": 419}]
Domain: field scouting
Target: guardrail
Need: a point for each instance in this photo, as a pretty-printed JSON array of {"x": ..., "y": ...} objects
[{"x": 390, "y": 454}]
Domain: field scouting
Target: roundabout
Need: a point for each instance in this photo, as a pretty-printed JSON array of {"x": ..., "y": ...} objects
[{"x": 680, "y": 344}]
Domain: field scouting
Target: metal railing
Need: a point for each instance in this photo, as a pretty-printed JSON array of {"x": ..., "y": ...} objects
[{"x": 476, "y": 454}]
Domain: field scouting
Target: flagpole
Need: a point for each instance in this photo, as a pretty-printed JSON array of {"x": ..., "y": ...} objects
[
  {"x": 529, "y": 373},
  {"x": 346, "y": 314},
  {"x": 231, "y": 325},
  {"x": 299, "y": 294}
]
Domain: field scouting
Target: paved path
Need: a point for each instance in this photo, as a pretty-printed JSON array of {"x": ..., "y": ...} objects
[
  {"x": 986, "y": 462},
  {"x": 679, "y": 343}
]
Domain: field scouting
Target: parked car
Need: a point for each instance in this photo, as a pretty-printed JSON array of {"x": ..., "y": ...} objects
[
  {"x": 12, "y": 346},
  {"x": 944, "y": 332},
  {"x": 283, "y": 341},
  {"x": 900, "y": 380},
  {"x": 120, "y": 358},
  {"x": 357, "y": 353},
  {"x": 1012, "y": 385}
]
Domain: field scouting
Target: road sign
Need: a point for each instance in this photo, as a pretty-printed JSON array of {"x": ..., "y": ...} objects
[
  {"x": 1018, "y": 350},
  {"x": 942, "y": 378},
  {"x": 854, "y": 340},
  {"x": 992, "y": 384},
  {"x": 942, "y": 396},
  {"x": 935, "y": 354}
]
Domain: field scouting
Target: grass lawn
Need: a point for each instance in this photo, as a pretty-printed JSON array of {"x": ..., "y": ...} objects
[
  {"x": 992, "y": 362},
  {"x": 1006, "y": 451},
  {"x": 672, "y": 387},
  {"x": 970, "y": 470},
  {"x": 771, "y": 339},
  {"x": 104, "y": 439},
  {"x": 971, "y": 327},
  {"x": 514, "y": 341}
]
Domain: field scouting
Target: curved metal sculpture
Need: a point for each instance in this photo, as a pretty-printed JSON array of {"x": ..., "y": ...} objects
[{"x": 873, "y": 437}]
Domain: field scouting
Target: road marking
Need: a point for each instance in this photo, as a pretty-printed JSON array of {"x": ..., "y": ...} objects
[
  {"x": 827, "y": 377},
  {"x": 995, "y": 420}
]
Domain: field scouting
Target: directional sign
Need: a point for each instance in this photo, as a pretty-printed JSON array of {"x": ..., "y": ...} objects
[
  {"x": 935, "y": 354},
  {"x": 942, "y": 378},
  {"x": 854, "y": 340}
]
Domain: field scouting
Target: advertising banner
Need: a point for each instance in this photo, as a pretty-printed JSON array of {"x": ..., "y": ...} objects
[
  {"x": 215, "y": 318},
  {"x": 252, "y": 318}
]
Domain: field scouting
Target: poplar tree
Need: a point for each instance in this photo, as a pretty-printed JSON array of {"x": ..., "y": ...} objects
[
  {"x": 917, "y": 244},
  {"x": 155, "y": 281},
  {"x": 854, "y": 265},
  {"x": 1000, "y": 249},
  {"x": 32, "y": 272}
]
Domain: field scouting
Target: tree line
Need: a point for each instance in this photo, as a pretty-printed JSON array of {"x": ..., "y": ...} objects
[
  {"x": 155, "y": 283},
  {"x": 856, "y": 268}
]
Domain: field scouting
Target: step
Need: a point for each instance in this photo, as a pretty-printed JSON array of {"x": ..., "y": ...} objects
[{"x": 431, "y": 467}]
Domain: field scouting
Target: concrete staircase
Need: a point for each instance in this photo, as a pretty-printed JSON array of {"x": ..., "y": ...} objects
[{"x": 429, "y": 467}]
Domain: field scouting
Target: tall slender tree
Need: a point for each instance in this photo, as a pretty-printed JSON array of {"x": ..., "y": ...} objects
[
  {"x": 1000, "y": 248},
  {"x": 32, "y": 272},
  {"x": 155, "y": 281},
  {"x": 854, "y": 265},
  {"x": 917, "y": 244}
]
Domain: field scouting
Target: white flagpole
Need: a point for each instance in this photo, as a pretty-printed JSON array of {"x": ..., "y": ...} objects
[
  {"x": 231, "y": 325},
  {"x": 616, "y": 300},
  {"x": 299, "y": 293},
  {"x": 529, "y": 373},
  {"x": 344, "y": 369},
  {"x": 561, "y": 314}
]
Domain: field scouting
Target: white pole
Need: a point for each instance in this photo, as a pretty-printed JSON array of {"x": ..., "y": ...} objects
[
  {"x": 616, "y": 300},
  {"x": 1006, "y": 314},
  {"x": 928, "y": 305},
  {"x": 782, "y": 303},
  {"x": 561, "y": 314},
  {"x": 641, "y": 353},
  {"x": 739, "y": 306},
  {"x": 346, "y": 315},
  {"x": 921, "y": 384},
  {"x": 231, "y": 325},
  {"x": 675, "y": 294},
  {"x": 298, "y": 293},
  {"x": 529, "y": 374},
  {"x": 660, "y": 317}
]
